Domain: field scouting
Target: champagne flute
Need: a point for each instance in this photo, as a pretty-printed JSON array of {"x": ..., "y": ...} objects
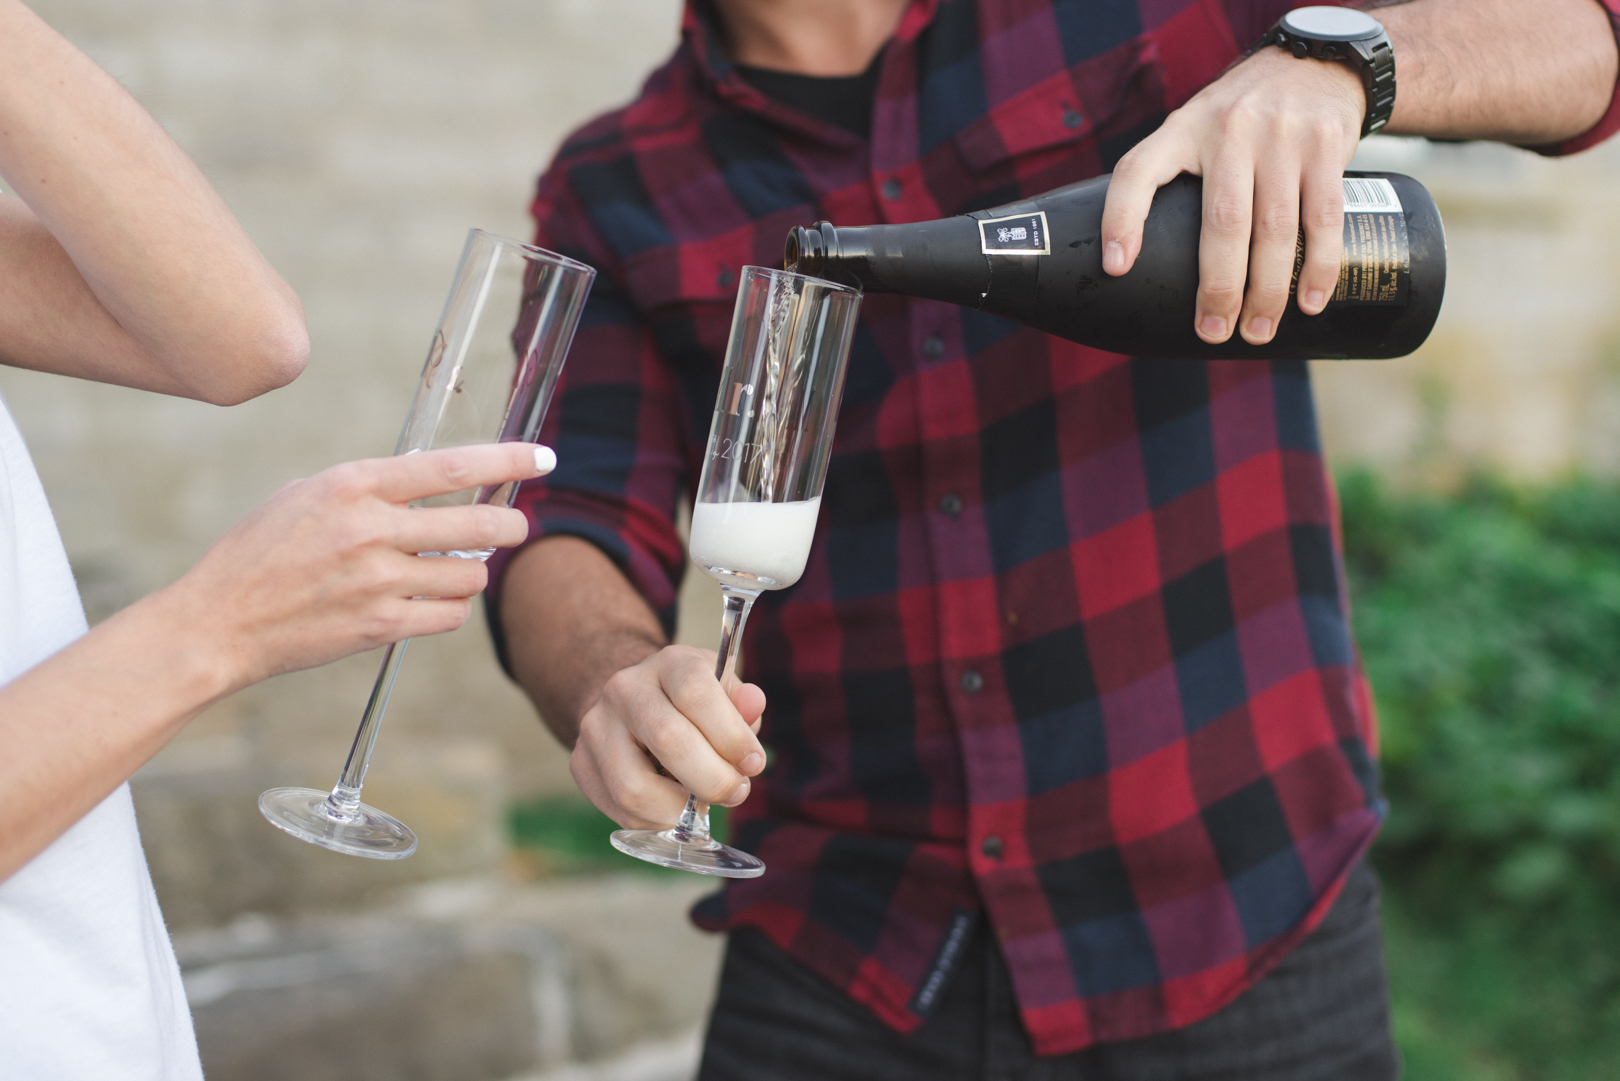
[
  {"x": 760, "y": 491},
  {"x": 490, "y": 371}
]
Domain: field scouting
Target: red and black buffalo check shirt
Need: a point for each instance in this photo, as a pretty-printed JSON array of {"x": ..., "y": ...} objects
[{"x": 1071, "y": 649}]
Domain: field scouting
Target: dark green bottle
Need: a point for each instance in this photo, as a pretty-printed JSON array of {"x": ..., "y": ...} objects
[{"x": 1039, "y": 262}]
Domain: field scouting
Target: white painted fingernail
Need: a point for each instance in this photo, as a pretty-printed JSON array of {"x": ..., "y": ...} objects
[{"x": 545, "y": 460}]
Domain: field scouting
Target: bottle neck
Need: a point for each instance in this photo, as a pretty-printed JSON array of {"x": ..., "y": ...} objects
[{"x": 933, "y": 260}]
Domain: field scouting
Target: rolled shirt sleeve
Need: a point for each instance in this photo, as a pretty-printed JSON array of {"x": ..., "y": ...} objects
[
  {"x": 1250, "y": 19},
  {"x": 1610, "y": 123},
  {"x": 616, "y": 424}
]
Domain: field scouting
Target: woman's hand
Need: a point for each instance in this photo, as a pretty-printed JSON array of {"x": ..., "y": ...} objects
[{"x": 328, "y": 566}]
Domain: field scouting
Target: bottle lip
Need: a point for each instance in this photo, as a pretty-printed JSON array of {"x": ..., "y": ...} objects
[
  {"x": 807, "y": 246},
  {"x": 793, "y": 248}
]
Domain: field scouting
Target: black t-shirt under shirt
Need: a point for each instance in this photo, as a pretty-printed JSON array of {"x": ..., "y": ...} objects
[{"x": 844, "y": 101}]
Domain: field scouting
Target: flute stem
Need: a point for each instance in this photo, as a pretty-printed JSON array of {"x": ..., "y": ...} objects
[
  {"x": 732, "y": 617},
  {"x": 693, "y": 827},
  {"x": 345, "y": 797}
]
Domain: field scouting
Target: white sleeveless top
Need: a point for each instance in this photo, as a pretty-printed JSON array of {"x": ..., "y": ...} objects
[{"x": 89, "y": 987}]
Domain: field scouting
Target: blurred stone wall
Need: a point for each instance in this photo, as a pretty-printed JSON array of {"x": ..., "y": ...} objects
[
  {"x": 1522, "y": 373},
  {"x": 357, "y": 140}
]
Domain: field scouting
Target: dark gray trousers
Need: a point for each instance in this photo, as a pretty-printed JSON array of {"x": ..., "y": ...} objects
[{"x": 1322, "y": 1014}]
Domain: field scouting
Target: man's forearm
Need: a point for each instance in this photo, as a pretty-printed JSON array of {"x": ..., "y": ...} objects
[
  {"x": 1530, "y": 72},
  {"x": 571, "y": 620}
]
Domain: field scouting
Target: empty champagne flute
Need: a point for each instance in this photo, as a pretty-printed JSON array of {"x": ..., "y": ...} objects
[
  {"x": 758, "y": 497},
  {"x": 490, "y": 371}
]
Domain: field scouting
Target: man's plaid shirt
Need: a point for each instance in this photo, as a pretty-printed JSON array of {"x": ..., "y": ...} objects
[{"x": 1072, "y": 647}]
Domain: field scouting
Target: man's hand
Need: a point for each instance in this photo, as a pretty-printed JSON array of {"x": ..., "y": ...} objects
[
  {"x": 668, "y": 710},
  {"x": 1271, "y": 139},
  {"x": 1272, "y": 136},
  {"x": 647, "y": 721}
]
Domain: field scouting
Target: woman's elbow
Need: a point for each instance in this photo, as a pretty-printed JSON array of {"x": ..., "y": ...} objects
[{"x": 267, "y": 360}]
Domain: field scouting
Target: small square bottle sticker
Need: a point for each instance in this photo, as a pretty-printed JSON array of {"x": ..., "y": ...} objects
[{"x": 1020, "y": 234}]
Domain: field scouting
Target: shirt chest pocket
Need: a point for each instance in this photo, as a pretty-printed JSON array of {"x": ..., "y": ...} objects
[
  {"x": 685, "y": 294},
  {"x": 1070, "y": 121}
]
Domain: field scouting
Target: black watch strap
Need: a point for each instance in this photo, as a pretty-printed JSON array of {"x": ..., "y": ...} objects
[{"x": 1371, "y": 56}]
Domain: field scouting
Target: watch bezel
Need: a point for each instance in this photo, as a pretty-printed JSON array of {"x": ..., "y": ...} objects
[
  {"x": 1373, "y": 28},
  {"x": 1370, "y": 55}
]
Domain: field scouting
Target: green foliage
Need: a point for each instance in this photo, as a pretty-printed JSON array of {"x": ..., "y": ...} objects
[
  {"x": 567, "y": 835},
  {"x": 1489, "y": 622}
]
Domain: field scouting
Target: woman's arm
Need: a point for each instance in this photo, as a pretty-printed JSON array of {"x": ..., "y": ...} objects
[
  {"x": 118, "y": 262},
  {"x": 322, "y": 569}
]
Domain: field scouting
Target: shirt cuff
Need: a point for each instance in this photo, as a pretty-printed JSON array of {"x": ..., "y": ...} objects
[
  {"x": 645, "y": 571},
  {"x": 1610, "y": 123}
]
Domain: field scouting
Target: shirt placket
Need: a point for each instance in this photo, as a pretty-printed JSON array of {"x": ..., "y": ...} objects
[
  {"x": 968, "y": 628},
  {"x": 968, "y": 633}
]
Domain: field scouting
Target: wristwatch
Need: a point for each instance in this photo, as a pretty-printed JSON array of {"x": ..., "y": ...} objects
[{"x": 1358, "y": 39}]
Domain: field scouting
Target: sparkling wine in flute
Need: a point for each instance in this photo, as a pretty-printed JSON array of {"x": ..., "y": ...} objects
[
  {"x": 755, "y": 515},
  {"x": 753, "y": 545}
]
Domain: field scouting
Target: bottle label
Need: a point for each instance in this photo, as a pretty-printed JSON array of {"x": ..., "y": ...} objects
[
  {"x": 1021, "y": 234},
  {"x": 1376, "y": 267}
]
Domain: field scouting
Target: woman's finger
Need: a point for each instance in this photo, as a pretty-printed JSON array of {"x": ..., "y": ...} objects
[
  {"x": 458, "y": 529},
  {"x": 438, "y": 472},
  {"x": 438, "y": 576}
]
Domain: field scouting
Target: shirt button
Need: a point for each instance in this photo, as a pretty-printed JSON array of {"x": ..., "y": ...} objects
[
  {"x": 951, "y": 504},
  {"x": 933, "y": 346},
  {"x": 1072, "y": 119},
  {"x": 891, "y": 188},
  {"x": 991, "y": 847},
  {"x": 972, "y": 683}
]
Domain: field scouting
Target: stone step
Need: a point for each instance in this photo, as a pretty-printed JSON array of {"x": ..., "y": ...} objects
[
  {"x": 598, "y": 979},
  {"x": 214, "y": 857},
  {"x": 650, "y": 1060}
]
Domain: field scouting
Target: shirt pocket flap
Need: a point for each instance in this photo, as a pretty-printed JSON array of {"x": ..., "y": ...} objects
[
  {"x": 693, "y": 272},
  {"x": 1076, "y": 104}
]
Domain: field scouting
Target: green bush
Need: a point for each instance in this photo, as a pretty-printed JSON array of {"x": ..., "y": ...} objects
[
  {"x": 1489, "y": 622},
  {"x": 567, "y": 835}
]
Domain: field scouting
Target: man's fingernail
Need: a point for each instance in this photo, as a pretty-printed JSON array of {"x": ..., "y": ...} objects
[
  {"x": 1315, "y": 299},
  {"x": 752, "y": 764},
  {"x": 739, "y": 795},
  {"x": 1113, "y": 256},
  {"x": 545, "y": 460},
  {"x": 1260, "y": 327},
  {"x": 1212, "y": 326}
]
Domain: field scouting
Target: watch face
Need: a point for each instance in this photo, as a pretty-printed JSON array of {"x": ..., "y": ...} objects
[{"x": 1331, "y": 24}]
